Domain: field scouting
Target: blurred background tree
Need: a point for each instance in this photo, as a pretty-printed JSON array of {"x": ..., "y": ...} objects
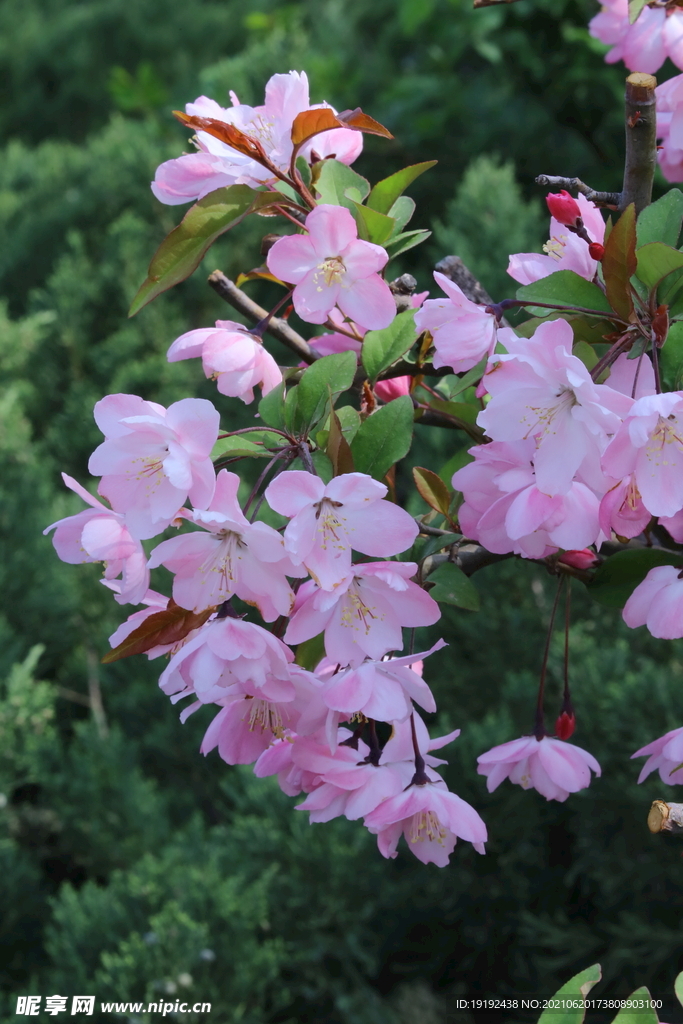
[{"x": 131, "y": 867}]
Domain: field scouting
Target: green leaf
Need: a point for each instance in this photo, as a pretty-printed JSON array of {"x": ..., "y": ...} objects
[
  {"x": 271, "y": 408},
  {"x": 434, "y": 544},
  {"x": 331, "y": 374},
  {"x": 678, "y": 987},
  {"x": 349, "y": 422},
  {"x": 661, "y": 221},
  {"x": 372, "y": 226},
  {"x": 453, "y": 587},
  {"x": 619, "y": 263},
  {"x": 382, "y": 348},
  {"x": 291, "y": 409},
  {"x": 460, "y": 410},
  {"x": 232, "y": 447},
  {"x": 638, "y": 1014},
  {"x": 401, "y": 212},
  {"x": 183, "y": 249},
  {"x": 576, "y": 989},
  {"x": 586, "y": 353},
  {"x": 671, "y": 357},
  {"x": 635, "y": 7},
  {"x": 406, "y": 240},
  {"x": 655, "y": 261},
  {"x": 386, "y": 192},
  {"x": 310, "y": 652},
  {"x": 618, "y": 576},
  {"x": 586, "y": 328},
  {"x": 304, "y": 169},
  {"x": 452, "y": 386},
  {"x": 565, "y": 288},
  {"x": 384, "y": 438},
  {"x": 333, "y": 181}
]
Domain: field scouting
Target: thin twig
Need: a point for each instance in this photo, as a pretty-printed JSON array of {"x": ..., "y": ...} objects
[
  {"x": 277, "y": 327},
  {"x": 611, "y": 199}
]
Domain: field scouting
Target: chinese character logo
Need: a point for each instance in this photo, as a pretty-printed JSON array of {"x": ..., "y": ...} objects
[
  {"x": 28, "y": 1006},
  {"x": 83, "y": 1004}
]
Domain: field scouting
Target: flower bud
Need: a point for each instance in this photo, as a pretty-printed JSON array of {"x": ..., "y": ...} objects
[
  {"x": 596, "y": 251},
  {"x": 583, "y": 559},
  {"x": 564, "y": 208},
  {"x": 565, "y": 725}
]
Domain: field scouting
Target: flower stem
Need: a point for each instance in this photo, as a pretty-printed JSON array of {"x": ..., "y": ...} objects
[{"x": 539, "y": 728}]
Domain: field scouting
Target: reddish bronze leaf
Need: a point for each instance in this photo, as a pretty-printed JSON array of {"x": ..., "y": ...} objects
[
  {"x": 619, "y": 263},
  {"x": 432, "y": 489},
  {"x": 338, "y": 450},
  {"x": 227, "y": 133},
  {"x": 311, "y": 122},
  {"x": 169, "y": 626},
  {"x": 660, "y": 325},
  {"x": 363, "y": 123}
]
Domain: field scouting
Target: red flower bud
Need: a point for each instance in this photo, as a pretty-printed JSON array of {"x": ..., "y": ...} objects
[
  {"x": 584, "y": 559},
  {"x": 596, "y": 251},
  {"x": 564, "y": 208},
  {"x": 565, "y": 725}
]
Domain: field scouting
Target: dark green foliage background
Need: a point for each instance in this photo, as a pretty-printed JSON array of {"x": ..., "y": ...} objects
[{"x": 131, "y": 867}]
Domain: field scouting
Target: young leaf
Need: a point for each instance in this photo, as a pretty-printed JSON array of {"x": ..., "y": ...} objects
[
  {"x": 565, "y": 288},
  {"x": 233, "y": 447},
  {"x": 363, "y": 123},
  {"x": 655, "y": 261},
  {"x": 384, "y": 438},
  {"x": 617, "y": 577},
  {"x": 338, "y": 449},
  {"x": 372, "y": 226},
  {"x": 406, "y": 240},
  {"x": 333, "y": 181},
  {"x": 678, "y": 987},
  {"x": 312, "y": 122},
  {"x": 635, "y": 8},
  {"x": 619, "y": 263},
  {"x": 432, "y": 489},
  {"x": 382, "y": 348},
  {"x": 226, "y": 132},
  {"x": 184, "y": 248},
  {"x": 386, "y": 192},
  {"x": 641, "y": 1010},
  {"x": 401, "y": 212},
  {"x": 329, "y": 375},
  {"x": 573, "y": 992},
  {"x": 451, "y": 586},
  {"x": 661, "y": 221},
  {"x": 169, "y": 626}
]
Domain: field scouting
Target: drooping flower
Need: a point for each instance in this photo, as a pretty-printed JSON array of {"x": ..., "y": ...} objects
[
  {"x": 540, "y": 390},
  {"x": 657, "y": 603},
  {"x": 234, "y": 358},
  {"x": 153, "y": 458},
  {"x": 664, "y": 755},
  {"x": 327, "y": 521},
  {"x": 217, "y": 164},
  {"x": 551, "y": 766},
  {"x": 431, "y": 819},
  {"x": 644, "y": 45},
  {"x": 98, "y": 534},
  {"x": 463, "y": 332},
  {"x": 649, "y": 444},
  {"x": 232, "y": 556},
  {"x": 330, "y": 266},
  {"x": 565, "y": 250},
  {"x": 364, "y": 615},
  {"x": 506, "y": 510}
]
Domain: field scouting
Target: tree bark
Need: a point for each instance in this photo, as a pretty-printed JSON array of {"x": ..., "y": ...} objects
[{"x": 641, "y": 141}]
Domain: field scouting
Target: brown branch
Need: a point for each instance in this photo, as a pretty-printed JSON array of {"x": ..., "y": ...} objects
[
  {"x": 641, "y": 141},
  {"x": 277, "y": 327},
  {"x": 434, "y": 418},
  {"x": 611, "y": 199},
  {"x": 665, "y": 817},
  {"x": 453, "y": 268}
]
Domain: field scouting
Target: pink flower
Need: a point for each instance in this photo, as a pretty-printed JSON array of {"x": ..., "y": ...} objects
[
  {"x": 364, "y": 615},
  {"x": 277, "y": 760},
  {"x": 674, "y": 524},
  {"x": 233, "y": 357},
  {"x": 432, "y": 820},
  {"x": 657, "y": 603},
  {"x": 622, "y": 510},
  {"x": 331, "y": 266},
  {"x": 649, "y": 444},
  {"x": 541, "y": 390},
  {"x": 564, "y": 208},
  {"x": 99, "y": 535},
  {"x": 327, "y": 521},
  {"x": 233, "y": 556},
  {"x": 217, "y": 164},
  {"x": 153, "y": 458},
  {"x": 564, "y": 250},
  {"x": 665, "y": 756},
  {"x": 505, "y": 509},
  {"x": 228, "y": 657},
  {"x": 644, "y": 46},
  {"x": 463, "y": 332},
  {"x": 551, "y": 766},
  {"x": 670, "y": 127}
]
